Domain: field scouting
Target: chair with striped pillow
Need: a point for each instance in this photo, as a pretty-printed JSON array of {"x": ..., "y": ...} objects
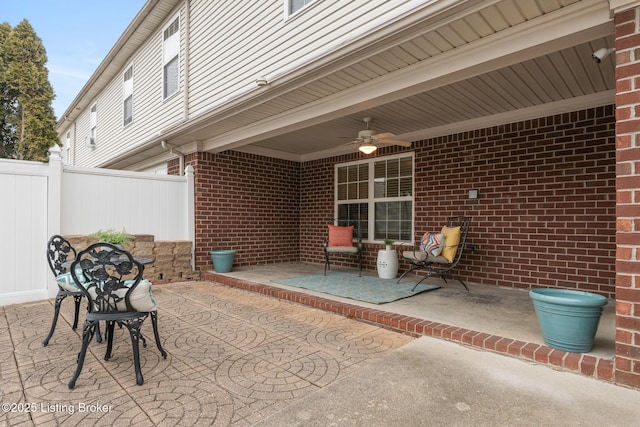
[{"x": 438, "y": 253}]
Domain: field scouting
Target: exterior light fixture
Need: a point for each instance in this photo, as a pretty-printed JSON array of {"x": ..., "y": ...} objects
[
  {"x": 367, "y": 148},
  {"x": 262, "y": 81}
]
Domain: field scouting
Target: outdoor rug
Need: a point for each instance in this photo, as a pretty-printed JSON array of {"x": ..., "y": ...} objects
[{"x": 366, "y": 288}]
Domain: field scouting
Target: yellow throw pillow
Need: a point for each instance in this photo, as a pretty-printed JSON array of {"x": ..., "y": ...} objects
[{"x": 452, "y": 238}]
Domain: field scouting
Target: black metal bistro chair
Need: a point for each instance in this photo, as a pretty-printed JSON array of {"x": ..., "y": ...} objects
[
  {"x": 439, "y": 253},
  {"x": 59, "y": 254},
  {"x": 339, "y": 241},
  {"x": 117, "y": 293}
]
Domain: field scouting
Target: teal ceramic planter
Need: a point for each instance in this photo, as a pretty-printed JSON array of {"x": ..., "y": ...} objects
[
  {"x": 222, "y": 260},
  {"x": 568, "y": 319}
]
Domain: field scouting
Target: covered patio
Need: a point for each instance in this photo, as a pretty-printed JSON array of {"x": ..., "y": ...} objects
[
  {"x": 501, "y": 99},
  {"x": 497, "y": 319}
]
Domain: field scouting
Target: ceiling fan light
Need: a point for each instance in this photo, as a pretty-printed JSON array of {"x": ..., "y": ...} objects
[{"x": 367, "y": 148}]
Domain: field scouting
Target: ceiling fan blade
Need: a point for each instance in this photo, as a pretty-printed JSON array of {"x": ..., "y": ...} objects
[
  {"x": 351, "y": 142},
  {"x": 395, "y": 142},
  {"x": 384, "y": 135}
]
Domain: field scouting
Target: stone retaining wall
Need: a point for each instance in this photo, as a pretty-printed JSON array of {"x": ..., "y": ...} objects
[{"x": 172, "y": 259}]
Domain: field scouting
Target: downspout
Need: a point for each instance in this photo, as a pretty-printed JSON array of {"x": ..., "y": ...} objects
[{"x": 178, "y": 153}]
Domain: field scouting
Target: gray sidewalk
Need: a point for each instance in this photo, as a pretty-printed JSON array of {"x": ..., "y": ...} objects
[{"x": 431, "y": 382}]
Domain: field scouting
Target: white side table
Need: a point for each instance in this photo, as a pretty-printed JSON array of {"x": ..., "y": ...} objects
[{"x": 387, "y": 264}]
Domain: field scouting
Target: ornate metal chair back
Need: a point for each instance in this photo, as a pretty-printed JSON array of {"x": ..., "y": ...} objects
[
  {"x": 59, "y": 251},
  {"x": 110, "y": 275}
]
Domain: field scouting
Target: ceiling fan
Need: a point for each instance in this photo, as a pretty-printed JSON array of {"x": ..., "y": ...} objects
[{"x": 368, "y": 140}]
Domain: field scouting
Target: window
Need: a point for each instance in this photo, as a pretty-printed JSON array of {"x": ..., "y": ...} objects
[
  {"x": 67, "y": 147},
  {"x": 170, "y": 51},
  {"x": 127, "y": 94},
  {"x": 379, "y": 189},
  {"x": 296, "y": 5},
  {"x": 93, "y": 124}
]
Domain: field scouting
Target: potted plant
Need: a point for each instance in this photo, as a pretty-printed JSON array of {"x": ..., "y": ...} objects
[
  {"x": 117, "y": 238},
  {"x": 388, "y": 243}
]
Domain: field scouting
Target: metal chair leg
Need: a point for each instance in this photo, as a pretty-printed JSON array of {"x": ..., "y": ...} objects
[
  {"x": 134, "y": 330},
  {"x": 56, "y": 311},
  {"x": 420, "y": 281},
  {"x": 414, "y": 268},
  {"x": 326, "y": 263},
  {"x": 77, "y": 299},
  {"x": 156, "y": 335},
  {"x": 87, "y": 335},
  {"x": 109, "y": 328}
]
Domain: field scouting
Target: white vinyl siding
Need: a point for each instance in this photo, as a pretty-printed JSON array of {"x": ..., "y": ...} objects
[
  {"x": 378, "y": 193},
  {"x": 231, "y": 43},
  {"x": 151, "y": 111},
  {"x": 127, "y": 94},
  {"x": 170, "y": 58}
]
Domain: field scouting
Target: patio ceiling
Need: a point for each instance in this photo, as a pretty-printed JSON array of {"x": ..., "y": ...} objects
[{"x": 475, "y": 64}]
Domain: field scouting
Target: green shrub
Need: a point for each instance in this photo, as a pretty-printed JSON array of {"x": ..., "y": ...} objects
[{"x": 114, "y": 237}]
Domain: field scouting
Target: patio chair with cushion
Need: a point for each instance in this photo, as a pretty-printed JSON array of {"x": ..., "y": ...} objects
[
  {"x": 60, "y": 254},
  {"x": 112, "y": 282},
  {"x": 439, "y": 253},
  {"x": 339, "y": 241}
]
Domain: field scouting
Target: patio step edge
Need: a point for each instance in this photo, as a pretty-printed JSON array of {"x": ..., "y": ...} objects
[{"x": 583, "y": 364}]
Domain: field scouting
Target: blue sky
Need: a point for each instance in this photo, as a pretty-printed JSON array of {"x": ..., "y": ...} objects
[{"x": 77, "y": 35}]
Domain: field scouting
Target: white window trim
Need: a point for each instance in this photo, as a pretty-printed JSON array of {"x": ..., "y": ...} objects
[
  {"x": 93, "y": 124},
  {"x": 287, "y": 8},
  {"x": 371, "y": 200},
  {"x": 127, "y": 91},
  {"x": 166, "y": 60},
  {"x": 67, "y": 146}
]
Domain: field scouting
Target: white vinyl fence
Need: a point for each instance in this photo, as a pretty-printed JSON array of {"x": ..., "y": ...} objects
[{"x": 38, "y": 200}]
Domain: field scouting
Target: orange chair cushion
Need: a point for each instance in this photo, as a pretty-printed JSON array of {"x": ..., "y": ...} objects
[{"x": 340, "y": 235}]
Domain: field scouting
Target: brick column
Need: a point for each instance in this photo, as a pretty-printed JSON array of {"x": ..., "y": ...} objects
[{"x": 627, "y": 33}]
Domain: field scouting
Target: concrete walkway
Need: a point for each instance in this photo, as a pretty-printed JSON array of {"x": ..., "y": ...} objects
[{"x": 431, "y": 382}]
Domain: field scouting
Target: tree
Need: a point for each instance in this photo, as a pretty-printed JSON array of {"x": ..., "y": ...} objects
[
  {"x": 7, "y": 110},
  {"x": 28, "y": 128}
]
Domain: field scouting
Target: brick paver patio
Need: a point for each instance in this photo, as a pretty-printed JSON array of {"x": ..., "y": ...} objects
[{"x": 235, "y": 357}]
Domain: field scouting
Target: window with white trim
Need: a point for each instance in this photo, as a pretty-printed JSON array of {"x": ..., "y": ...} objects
[
  {"x": 295, "y": 5},
  {"x": 127, "y": 95},
  {"x": 67, "y": 147},
  {"x": 378, "y": 193},
  {"x": 93, "y": 124},
  {"x": 170, "y": 60}
]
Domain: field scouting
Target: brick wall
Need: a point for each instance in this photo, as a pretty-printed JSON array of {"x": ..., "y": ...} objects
[
  {"x": 627, "y": 362},
  {"x": 546, "y": 212},
  {"x": 249, "y": 203}
]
